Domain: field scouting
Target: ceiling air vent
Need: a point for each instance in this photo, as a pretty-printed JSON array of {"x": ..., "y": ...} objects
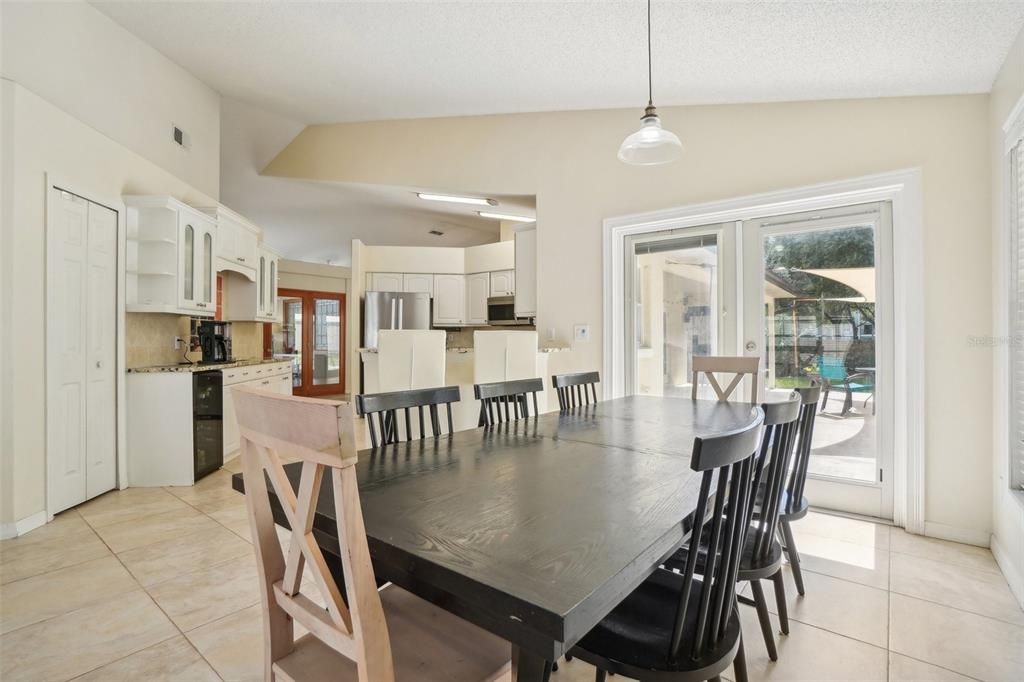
[
  {"x": 436, "y": 233},
  {"x": 180, "y": 137}
]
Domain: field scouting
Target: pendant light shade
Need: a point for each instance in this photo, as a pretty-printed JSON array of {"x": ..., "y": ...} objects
[{"x": 652, "y": 144}]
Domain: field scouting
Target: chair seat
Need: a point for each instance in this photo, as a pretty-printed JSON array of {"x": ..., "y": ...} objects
[
  {"x": 638, "y": 631},
  {"x": 428, "y": 644},
  {"x": 751, "y": 568}
]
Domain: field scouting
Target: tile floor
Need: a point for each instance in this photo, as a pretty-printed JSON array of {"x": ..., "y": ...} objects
[{"x": 160, "y": 584}]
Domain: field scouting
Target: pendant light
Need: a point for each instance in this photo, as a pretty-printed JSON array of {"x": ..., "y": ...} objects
[{"x": 652, "y": 144}]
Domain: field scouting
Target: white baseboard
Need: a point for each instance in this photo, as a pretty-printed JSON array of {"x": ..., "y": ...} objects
[
  {"x": 968, "y": 536},
  {"x": 16, "y": 528},
  {"x": 1014, "y": 574}
]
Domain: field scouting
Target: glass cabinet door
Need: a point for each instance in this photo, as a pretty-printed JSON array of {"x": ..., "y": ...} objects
[
  {"x": 189, "y": 253},
  {"x": 208, "y": 275}
]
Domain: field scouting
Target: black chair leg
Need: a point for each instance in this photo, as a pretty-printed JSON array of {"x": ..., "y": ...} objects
[
  {"x": 601, "y": 676},
  {"x": 568, "y": 657},
  {"x": 765, "y": 619},
  {"x": 780, "y": 601},
  {"x": 739, "y": 664},
  {"x": 794, "y": 556}
]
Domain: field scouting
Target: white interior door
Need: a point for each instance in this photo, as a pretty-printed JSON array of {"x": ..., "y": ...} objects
[
  {"x": 817, "y": 301},
  {"x": 81, "y": 298}
]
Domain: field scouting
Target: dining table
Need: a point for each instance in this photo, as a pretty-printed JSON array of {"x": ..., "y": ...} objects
[{"x": 535, "y": 529}]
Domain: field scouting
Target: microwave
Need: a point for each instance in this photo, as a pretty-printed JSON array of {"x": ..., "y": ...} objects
[{"x": 501, "y": 311}]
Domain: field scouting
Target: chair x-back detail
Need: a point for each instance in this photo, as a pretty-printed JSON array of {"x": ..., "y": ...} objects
[
  {"x": 575, "y": 390},
  {"x": 386, "y": 408},
  {"x": 349, "y": 639},
  {"x": 794, "y": 504},
  {"x": 675, "y": 626},
  {"x": 738, "y": 366},
  {"x": 503, "y": 401}
]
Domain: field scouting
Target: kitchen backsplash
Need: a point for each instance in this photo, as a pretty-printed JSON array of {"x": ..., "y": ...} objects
[{"x": 149, "y": 339}]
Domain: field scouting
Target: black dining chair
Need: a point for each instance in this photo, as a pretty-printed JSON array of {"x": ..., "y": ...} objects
[
  {"x": 762, "y": 554},
  {"x": 386, "y": 407},
  {"x": 575, "y": 390},
  {"x": 505, "y": 401},
  {"x": 684, "y": 627},
  {"x": 794, "y": 505}
]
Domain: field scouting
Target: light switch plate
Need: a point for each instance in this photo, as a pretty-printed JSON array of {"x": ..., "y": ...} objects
[{"x": 581, "y": 332}]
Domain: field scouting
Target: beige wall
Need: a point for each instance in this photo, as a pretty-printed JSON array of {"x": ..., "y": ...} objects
[
  {"x": 74, "y": 56},
  {"x": 40, "y": 139},
  {"x": 567, "y": 159},
  {"x": 1008, "y": 506},
  {"x": 293, "y": 274}
]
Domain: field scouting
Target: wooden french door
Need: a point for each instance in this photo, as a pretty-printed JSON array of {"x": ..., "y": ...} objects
[{"x": 313, "y": 335}]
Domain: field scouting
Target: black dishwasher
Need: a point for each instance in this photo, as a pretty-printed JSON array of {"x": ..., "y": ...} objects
[{"x": 207, "y": 422}]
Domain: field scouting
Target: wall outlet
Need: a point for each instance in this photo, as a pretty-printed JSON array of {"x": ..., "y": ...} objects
[
  {"x": 581, "y": 333},
  {"x": 177, "y": 343}
]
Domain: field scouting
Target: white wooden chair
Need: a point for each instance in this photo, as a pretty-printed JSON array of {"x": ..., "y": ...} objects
[
  {"x": 738, "y": 366},
  {"x": 344, "y": 643}
]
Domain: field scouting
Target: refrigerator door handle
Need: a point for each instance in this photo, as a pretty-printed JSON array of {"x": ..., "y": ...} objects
[
  {"x": 393, "y": 314},
  {"x": 401, "y": 314}
]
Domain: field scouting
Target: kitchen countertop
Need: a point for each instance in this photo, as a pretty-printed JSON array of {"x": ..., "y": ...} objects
[
  {"x": 197, "y": 367},
  {"x": 469, "y": 349}
]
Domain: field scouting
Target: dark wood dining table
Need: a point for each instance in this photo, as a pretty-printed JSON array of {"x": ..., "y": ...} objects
[{"x": 536, "y": 529}]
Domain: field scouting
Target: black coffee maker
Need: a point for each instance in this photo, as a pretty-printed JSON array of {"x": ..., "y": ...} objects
[{"x": 215, "y": 340}]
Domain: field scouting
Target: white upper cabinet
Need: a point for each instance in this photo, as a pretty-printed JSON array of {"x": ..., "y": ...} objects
[
  {"x": 266, "y": 285},
  {"x": 237, "y": 241},
  {"x": 449, "y": 299},
  {"x": 171, "y": 257},
  {"x": 503, "y": 283},
  {"x": 418, "y": 284},
  {"x": 385, "y": 281},
  {"x": 254, "y": 301},
  {"x": 477, "y": 289},
  {"x": 526, "y": 273}
]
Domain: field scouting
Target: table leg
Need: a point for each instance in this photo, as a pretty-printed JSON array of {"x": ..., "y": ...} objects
[{"x": 529, "y": 667}]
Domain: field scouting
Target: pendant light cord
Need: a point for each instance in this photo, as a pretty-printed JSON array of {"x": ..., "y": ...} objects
[{"x": 650, "y": 76}]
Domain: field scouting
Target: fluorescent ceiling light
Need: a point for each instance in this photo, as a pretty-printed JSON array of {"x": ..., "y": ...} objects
[
  {"x": 505, "y": 216},
  {"x": 457, "y": 200}
]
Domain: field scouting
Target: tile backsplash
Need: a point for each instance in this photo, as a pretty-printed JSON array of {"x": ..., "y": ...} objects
[{"x": 149, "y": 339}]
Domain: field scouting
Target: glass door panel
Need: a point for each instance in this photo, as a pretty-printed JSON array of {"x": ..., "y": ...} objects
[
  {"x": 326, "y": 341},
  {"x": 288, "y": 343},
  {"x": 312, "y": 336}
]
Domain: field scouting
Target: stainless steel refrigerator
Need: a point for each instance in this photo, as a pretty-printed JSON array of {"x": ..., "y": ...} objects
[{"x": 391, "y": 310}]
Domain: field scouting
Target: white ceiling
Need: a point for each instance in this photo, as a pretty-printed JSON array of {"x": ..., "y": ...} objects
[
  {"x": 346, "y": 61},
  {"x": 316, "y": 222}
]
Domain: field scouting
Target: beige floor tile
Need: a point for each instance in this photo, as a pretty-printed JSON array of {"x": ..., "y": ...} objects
[
  {"x": 904, "y": 669},
  {"x": 65, "y": 524},
  {"x": 840, "y": 606},
  {"x": 810, "y": 654},
  {"x": 130, "y": 503},
  {"x": 200, "y": 597},
  {"x": 573, "y": 671},
  {"x": 845, "y": 529},
  {"x": 58, "y": 592},
  {"x": 942, "y": 550},
  {"x": 20, "y": 560},
  {"x": 233, "y": 465},
  {"x": 174, "y": 660},
  {"x": 148, "y": 530},
  {"x": 168, "y": 559},
  {"x": 69, "y": 645},
  {"x": 847, "y": 560},
  {"x": 972, "y": 645},
  {"x": 233, "y": 645},
  {"x": 973, "y": 590},
  {"x": 211, "y": 498}
]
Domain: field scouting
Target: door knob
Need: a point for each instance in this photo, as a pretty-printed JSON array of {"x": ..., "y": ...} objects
[
  {"x": 751, "y": 345},
  {"x": 98, "y": 364}
]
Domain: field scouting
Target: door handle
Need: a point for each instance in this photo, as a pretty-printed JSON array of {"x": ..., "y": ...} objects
[
  {"x": 393, "y": 314},
  {"x": 99, "y": 364},
  {"x": 401, "y": 314}
]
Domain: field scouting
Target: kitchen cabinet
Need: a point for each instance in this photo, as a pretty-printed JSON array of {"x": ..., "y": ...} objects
[
  {"x": 275, "y": 377},
  {"x": 526, "y": 273},
  {"x": 170, "y": 264},
  {"x": 418, "y": 284},
  {"x": 503, "y": 283},
  {"x": 449, "y": 300},
  {"x": 266, "y": 286},
  {"x": 256, "y": 300},
  {"x": 385, "y": 281},
  {"x": 478, "y": 287},
  {"x": 237, "y": 241}
]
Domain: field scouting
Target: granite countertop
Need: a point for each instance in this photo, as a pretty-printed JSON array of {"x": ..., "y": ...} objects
[
  {"x": 469, "y": 349},
  {"x": 197, "y": 367}
]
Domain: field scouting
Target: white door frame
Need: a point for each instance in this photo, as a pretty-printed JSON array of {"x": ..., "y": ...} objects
[
  {"x": 117, "y": 205},
  {"x": 903, "y": 189}
]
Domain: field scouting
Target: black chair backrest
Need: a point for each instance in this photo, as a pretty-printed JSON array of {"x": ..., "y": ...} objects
[
  {"x": 386, "y": 406},
  {"x": 576, "y": 389},
  {"x": 809, "y": 397},
  {"x": 503, "y": 401},
  {"x": 727, "y": 461},
  {"x": 770, "y": 469}
]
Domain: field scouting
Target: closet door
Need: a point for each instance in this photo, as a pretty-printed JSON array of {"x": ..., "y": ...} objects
[{"x": 101, "y": 351}]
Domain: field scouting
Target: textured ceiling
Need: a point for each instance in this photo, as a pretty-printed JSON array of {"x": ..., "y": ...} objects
[{"x": 347, "y": 61}]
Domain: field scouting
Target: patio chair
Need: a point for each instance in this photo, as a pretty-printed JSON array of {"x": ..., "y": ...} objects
[{"x": 832, "y": 374}]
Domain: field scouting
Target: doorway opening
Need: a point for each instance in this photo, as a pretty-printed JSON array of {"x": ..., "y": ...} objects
[{"x": 312, "y": 337}]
